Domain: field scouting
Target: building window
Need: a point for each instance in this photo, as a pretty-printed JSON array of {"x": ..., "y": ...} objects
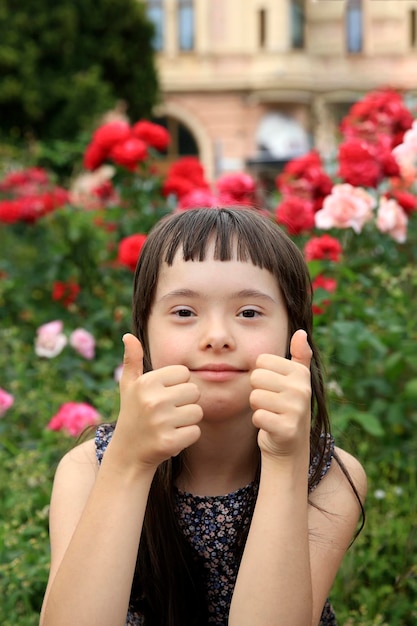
[
  {"x": 182, "y": 140},
  {"x": 297, "y": 25},
  {"x": 354, "y": 26},
  {"x": 155, "y": 13},
  {"x": 186, "y": 24},
  {"x": 262, "y": 28},
  {"x": 413, "y": 28}
]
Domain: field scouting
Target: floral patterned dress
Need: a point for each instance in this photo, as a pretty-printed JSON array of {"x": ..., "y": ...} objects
[{"x": 211, "y": 525}]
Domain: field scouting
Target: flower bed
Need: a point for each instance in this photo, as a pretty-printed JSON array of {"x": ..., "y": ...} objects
[{"x": 66, "y": 263}]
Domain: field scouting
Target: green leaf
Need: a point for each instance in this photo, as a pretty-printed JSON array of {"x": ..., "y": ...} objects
[
  {"x": 410, "y": 389},
  {"x": 369, "y": 423}
]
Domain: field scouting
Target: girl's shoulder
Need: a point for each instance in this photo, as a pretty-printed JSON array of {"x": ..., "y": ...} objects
[
  {"x": 344, "y": 471},
  {"x": 88, "y": 455},
  {"x": 79, "y": 461},
  {"x": 350, "y": 465}
]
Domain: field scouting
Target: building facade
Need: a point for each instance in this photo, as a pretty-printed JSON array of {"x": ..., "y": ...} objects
[{"x": 249, "y": 84}]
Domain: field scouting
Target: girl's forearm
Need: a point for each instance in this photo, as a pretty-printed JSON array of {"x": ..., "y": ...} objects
[
  {"x": 93, "y": 582},
  {"x": 273, "y": 586}
]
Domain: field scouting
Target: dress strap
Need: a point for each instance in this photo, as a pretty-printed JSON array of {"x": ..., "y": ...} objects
[
  {"x": 104, "y": 433},
  {"x": 323, "y": 458}
]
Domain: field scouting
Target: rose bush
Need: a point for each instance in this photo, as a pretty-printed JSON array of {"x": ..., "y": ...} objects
[
  {"x": 65, "y": 292},
  {"x": 6, "y": 401},
  {"x": 74, "y": 417}
]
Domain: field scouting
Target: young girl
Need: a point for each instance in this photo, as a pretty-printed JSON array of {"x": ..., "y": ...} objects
[{"x": 218, "y": 497}]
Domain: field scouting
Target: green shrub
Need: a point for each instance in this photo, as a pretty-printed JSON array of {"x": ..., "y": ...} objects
[{"x": 366, "y": 331}]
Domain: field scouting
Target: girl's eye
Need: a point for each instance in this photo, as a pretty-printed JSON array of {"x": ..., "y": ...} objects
[
  {"x": 183, "y": 313},
  {"x": 249, "y": 313}
]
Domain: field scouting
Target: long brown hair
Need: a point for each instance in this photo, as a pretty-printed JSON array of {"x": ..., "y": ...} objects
[{"x": 167, "y": 586}]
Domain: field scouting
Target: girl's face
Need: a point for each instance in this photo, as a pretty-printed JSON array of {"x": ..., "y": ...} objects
[{"x": 216, "y": 317}]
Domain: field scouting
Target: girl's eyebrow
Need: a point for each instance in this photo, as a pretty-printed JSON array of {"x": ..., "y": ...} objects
[
  {"x": 254, "y": 293},
  {"x": 182, "y": 293},
  {"x": 243, "y": 293}
]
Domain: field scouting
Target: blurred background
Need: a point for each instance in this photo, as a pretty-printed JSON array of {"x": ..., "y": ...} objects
[{"x": 114, "y": 113}]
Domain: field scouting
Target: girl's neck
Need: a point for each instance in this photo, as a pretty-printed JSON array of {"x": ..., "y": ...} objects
[{"x": 220, "y": 462}]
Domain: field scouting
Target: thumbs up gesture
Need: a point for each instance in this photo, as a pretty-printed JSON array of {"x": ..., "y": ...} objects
[
  {"x": 281, "y": 399},
  {"x": 159, "y": 414}
]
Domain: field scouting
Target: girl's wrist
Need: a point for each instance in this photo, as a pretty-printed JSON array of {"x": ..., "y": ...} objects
[
  {"x": 287, "y": 469},
  {"x": 126, "y": 465}
]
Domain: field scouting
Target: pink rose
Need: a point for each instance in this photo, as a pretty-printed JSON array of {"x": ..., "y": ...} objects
[
  {"x": 406, "y": 154},
  {"x": 83, "y": 342},
  {"x": 74, "y": 417},
  {"x": 197, "y": 198},
  {"x": 50, "y": 340},
  {"x": 6, "y": 401},
  {"x": 391, "y": 219},
  {"x": 346, "y": 207},
  {"x": 410, "y": 137}
]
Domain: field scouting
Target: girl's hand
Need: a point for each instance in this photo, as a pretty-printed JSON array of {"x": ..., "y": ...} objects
[
  {"x": 281, "y": 400},
  {"x": 158, "y": 412}
]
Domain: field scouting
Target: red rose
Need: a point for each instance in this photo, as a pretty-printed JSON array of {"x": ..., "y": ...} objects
[
  {"x": 34, "y": 176},
  {"x": 189, "y": 168},
  {"x": 94, "y": 156},
  {"x": 389, "y": 164},
  {"x": 323, "y": 247},
  {"x": 296, "y": 168},
  {"x": 178, "y": 185},
  {"x": 296, "y": 214},
  {"x": 237, "y": 187},
  {"x": 358, "y": 164},
  {"x": 319, "y": 179},
  {"x": 183, "y": 176},
  {"x": 10, "y": 211},
  {"x": 65, "y": 292},
  {"x": 153, "y": 135},
  {"x": 130, "y": 249},
  {"x": 300, "y": 187},
  {"x": 129, "y": 153},
  {"x": 111, "y": 133},
  {"x": 32, "y": 208},
  {"x": 326, "y": 284},
  {"x": 405, "y": 199},
  {"x": 105, "y": 191},
  {"x": 379, "y": 112},
  {"x": 305, "y": 177}
]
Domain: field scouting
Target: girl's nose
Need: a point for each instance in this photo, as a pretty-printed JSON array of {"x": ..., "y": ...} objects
[{"x": 216, "y": 335}]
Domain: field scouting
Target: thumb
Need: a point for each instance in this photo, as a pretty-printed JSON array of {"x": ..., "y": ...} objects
[
  {"x": 132, "y": 358},
  {"x": 300, "y": 349}
]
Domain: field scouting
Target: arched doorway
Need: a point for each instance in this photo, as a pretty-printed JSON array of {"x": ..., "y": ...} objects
[{"x": 183, "y": 142}]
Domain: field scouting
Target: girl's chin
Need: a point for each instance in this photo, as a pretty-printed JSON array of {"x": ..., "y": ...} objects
[{"x": 218, "y": 411}]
